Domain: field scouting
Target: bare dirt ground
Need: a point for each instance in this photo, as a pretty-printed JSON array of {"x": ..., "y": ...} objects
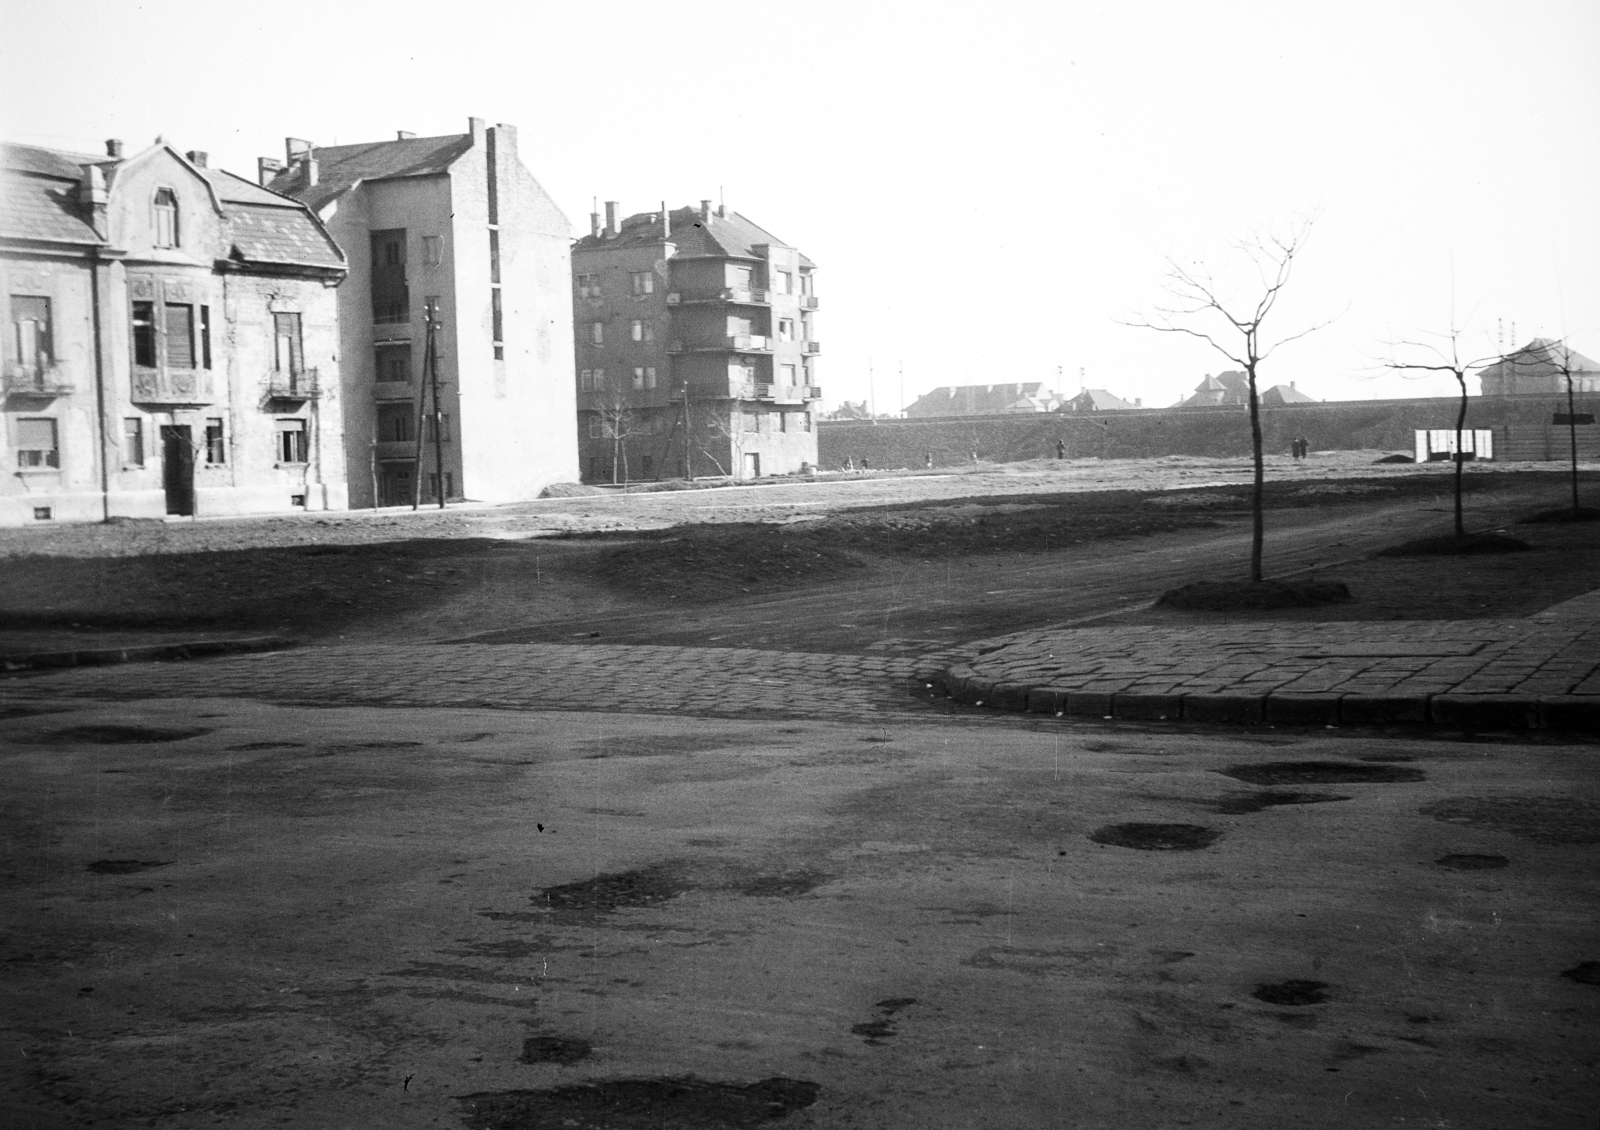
[{"x": 899, "y": 565}]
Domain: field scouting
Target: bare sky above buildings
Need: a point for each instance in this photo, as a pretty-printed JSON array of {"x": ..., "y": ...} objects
[{"x": 987, "y": 188}]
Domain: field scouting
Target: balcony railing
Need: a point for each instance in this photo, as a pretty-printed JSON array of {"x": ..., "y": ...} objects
[
  {"x": 289, "y": 385},
  {"x": 392, "y": 390},
  {"x": 740, "y": 343},
  {"x": 753, "y": 295},
  {"x": 36, "y": 380},
  {"x": 745, "y": 342},
  {"x": 808, "y": 302},
  {"x": 811, "y": 347},
  {"x": 674, "y": 298},
  {"x": 390, "y": 313},
  {"x": 172, "y": 386},
  {"x": 812, "y": 392}
]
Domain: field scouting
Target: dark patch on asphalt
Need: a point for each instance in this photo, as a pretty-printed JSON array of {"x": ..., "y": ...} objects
[
  {"x": 788, "y": 884},
  {"x": 1584, "y": 973},
  {"x": 1292, "y": 993},
  {"x": 124, "y": 866},
  {"x": 616, "y": 890},
  {"x": 895, "y": 1004},
  {"x": 111, "y": 734},
  {"x": 654, "y": 745},
  {"x": 1320, "y": 773},
  {"x": 352, "y": 747},
  {"x": 1386, "y": 758},
  {"x": 1465, "y": 862},
  {"x": 1156, "y": 837},
  {"x": 876, "y": 1031},
  {"x": 254, "y": 746},
  {"x": 682, "y": 1103},
  {"x": 1543, "y": 819},
  {"x": 554, "y": 1049},
  {"x": 1255, "y": 802}
]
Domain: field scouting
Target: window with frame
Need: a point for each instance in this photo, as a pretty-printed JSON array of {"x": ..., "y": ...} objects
[
  {"x": 638, "y": 376},
  {"x": 644, "y": 329},
  {"x": 441, "y": 425},
  {"x": 31, "y": 343},
  {"x": 144, "y": 334},
  {"x": 166, "y": 218},
  {"x": 287, "y": 356},
  {"x": 179, "y": 323},
  {"x": 292, "y": 442},
  {"x": 736, "y": 277},
  {"x": 597, "y": 333},
  {"x": 394, "y": 423},
  {"x": 785, "y": 329},
  {"x": 433, "y": 251},
  {"x": 216, "y": 447},
  {"x": 594, "y": 427},
  {"x": 133, "y": 442},
  {"x": 649, "y": 376},
  {"x": 644, "y": 282},
  {"x": 752, "y": 421},
  {"x": 391, "y": 295},
  {"x": 585, "y": 380},
  {"x": 785, "y": 283},
  {"x": 393, "y": 364},
  {"x": 788, "y": 372},
  {"x": 588, "y": 286},
  {"x": 37, "y": 447}
]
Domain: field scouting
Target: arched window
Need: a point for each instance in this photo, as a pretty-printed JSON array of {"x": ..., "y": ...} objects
[{"x": 166, "y": 218}]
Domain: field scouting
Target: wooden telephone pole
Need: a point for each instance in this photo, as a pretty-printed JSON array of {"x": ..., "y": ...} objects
[{"x": 430, "y": 380}]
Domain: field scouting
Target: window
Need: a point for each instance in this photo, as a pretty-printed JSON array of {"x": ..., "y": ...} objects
[
  {"x": 433, "y": 253},
  {"x": 599, "y": 379},
  {"x": 738, "y": 327},
  {"x": 30, "y": 325},
  {"x": 394, "y": 364},
  {"x": 785, "y": 283},
  {"x": 394, "y": 423},
  {"x": 180, "y": 335},
  {"x": 737, "y": 278},
  {"x": 442, "y": 426},
  {"x": 144, "y": 334},
  {"x": 391, "y": 297},
  {"x": 585, "y": 380},
  {"x": 205, "y": 337},
  {"x": 782, "y": 420},
  {"x": 216, "y": 453},
  {"x": 805, "y": 421},
  {"x": 752, "y": 421},
  {"x": 638, "y": 376},
  {"x": 594, "y": 427},
  {"x": 449, "y": 485},
  {"x": 166, "y": 218},
  {"x": 133, "y": 442},
  {"x": 644, "y": 282},
  {"x": 786, "y": 329},
  {"x": 292, "y": 441},
  {"x": 644, "y": 330},
  {"x": 805, "y": 283},
  {"x": 788, "y": 374},
  {"x": 597, "y": 333},
  {"x": 649, "y": 376},
  {"x": 36, "y": 444},
  {"x": 286, "y": 354},
  {"x": 588, "y": 286}
]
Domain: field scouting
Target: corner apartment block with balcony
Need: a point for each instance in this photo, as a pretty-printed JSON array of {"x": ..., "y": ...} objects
[
  {"x": 696, "y": 348},
  {"x": 455, "y": 221},
  {"x": 171, "y": 341}
]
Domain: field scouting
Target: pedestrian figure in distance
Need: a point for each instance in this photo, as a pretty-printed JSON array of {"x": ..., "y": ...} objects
[
  {"x": 849, "y": 463},
  {"x": 928, "y": 460},
  {"x": 1061, "y": 449},
  {"x": 1305, "y": 448},
  {"x": 865, "y": 466}
]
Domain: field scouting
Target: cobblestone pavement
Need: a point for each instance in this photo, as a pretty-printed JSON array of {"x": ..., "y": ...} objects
[
  {"x": 609, "y": 677},
  {"x": 1541, "y": 671}
]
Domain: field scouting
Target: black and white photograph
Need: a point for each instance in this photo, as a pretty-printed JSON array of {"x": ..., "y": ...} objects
[{"x": 470, "y": 659}]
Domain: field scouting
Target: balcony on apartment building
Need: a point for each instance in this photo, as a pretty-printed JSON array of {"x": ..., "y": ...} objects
[
  {"x": 395, "y": 449},
  {"x": 740, "y": 343},
  {"x": 776, "y": 394},
  {"x": 808, "y": 302},
  {"x": 35, "y": 380},
  {"x": 744, "y": 296},
  {"x": 392, "y": 390},
  {"x": 292, "y": 384},
  {"x": 172, "y": 386},
  {"x": 811, "y": 347}
]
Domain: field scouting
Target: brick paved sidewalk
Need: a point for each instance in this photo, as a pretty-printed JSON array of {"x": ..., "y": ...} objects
[
  {"x": 1543, "y": 671},
  {"x": 608, "y": 677}
]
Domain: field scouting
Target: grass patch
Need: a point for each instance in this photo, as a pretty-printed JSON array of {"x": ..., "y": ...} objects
[
  {"x": 1450, "y": 545},
  {"x": 1236, "y": 596}
]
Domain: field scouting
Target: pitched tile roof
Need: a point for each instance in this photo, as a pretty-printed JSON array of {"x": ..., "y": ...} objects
[
  {"x": 1286, "y": 394},
  {"x": 732, "y": 236},
  {"x": 1541, "y": 357},
  {"x": 340, "y": 167},
  {"x": 983, "y": 400},
  {"x": 42, "y": 208},
  {"x": 1097, "y": 400},
  {"x": 273, "y": 234}
]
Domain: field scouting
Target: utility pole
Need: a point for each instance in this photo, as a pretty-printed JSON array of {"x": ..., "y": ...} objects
[{"x": 430, "y": 380}]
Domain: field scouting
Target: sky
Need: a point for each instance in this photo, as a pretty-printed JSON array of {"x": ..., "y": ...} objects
[{"x": 992, "y": 191}]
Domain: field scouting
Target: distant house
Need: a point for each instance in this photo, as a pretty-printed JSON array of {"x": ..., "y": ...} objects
[
  {"x": 1234, "y": 388},
  {"x": 1537, "y": 368},
  {"x": 985, "y": 400},
  {"x": 1098, "y": 400}
]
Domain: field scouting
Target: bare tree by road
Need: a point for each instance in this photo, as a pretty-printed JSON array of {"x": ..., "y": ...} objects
[{"x": 1232, "y": 324}]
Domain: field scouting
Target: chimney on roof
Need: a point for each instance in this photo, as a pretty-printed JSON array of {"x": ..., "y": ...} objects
[
  {"x": 113, "y": 147},
  {"x": 267, "y": 168},
  {"x": 92, "y": 195},
  {"x": 722, "y": 211},
  {"x": 197, "y": 157},
  {"x": 400, "y": 135},
  {"x": 611, "y": 218},
  {"x": 666, "y": 221},
  {"x": 1291, "y": 384},
  {"x": 295, "y": 149},
  {"x": 705, "y": 209},
  {"x": 594, "y": 225}
]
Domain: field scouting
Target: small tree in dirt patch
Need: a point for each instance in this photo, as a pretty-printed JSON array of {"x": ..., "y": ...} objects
[
  {"x": 618, "y": 421},
  {"x": 1444, "y": 356},
  {"x": 1232, "y": 324}
]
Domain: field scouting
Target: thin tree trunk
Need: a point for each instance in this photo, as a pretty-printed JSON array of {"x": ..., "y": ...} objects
[
  {"x": 1257, "y": 496},
  {"x": 1461, "y": 423}
]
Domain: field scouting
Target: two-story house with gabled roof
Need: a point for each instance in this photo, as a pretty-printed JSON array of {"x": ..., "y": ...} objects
[
  {"x": 455, "y": 224},
  {"x": 696, "y": 347},
  {"x": 171, "y": 344}
]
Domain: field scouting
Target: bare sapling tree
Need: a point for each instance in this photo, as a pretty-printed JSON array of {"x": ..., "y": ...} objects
[
  {"x": 1559, "y": 355},
  {"x": 1443, "y": 355},
  {"x": 617, "y": 423},
  {"x": 1232, "y": 321}
]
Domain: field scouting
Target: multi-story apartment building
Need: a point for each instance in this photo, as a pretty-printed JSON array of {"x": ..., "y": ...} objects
[
  {"x": 171, "y": 341},
  {"x": 696, "y": 350},
  {"x": 456, "y": 222}
]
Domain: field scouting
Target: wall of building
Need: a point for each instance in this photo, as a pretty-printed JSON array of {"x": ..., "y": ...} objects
[{"x": 1386, "y": 425}]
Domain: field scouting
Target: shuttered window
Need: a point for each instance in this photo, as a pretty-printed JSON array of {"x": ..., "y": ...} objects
[
  {"x": 180, "y": 335},
  {"x": 36, "y": 444},
  {"x": 286, "y": 357}
]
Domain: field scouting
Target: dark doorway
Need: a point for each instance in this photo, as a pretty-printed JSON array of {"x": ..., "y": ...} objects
[
  {"x": 395, "y": 484},
  {"x": 177, "y": 468}
]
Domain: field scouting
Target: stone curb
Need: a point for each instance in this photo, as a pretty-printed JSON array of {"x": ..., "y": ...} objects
[
  {"x": 148, "y": 653},
  {"x": 1492, "y": 712}
]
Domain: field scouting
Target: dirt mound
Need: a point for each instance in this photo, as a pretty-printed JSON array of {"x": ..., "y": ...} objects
[
  {"x": 569, "y": 490},
  {"x": 1396, "y": 459},
  {"x": 1449, "y": 545},
  {"x": 1565, "y": 514},
  {"x": 1231, "y": 596}
]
